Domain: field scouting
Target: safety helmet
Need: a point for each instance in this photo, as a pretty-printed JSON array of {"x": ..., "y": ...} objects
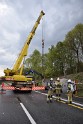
[
  {"x": 58, "y": 79},
  {"x": 51, "y": 79},
  {"x": 69, "y": 80}
]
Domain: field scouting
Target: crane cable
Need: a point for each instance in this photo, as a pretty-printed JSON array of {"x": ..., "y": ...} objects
[{"x": 43, "y": 46}]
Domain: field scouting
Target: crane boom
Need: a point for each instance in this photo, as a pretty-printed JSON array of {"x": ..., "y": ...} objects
[
  {"x": 26, "y": 45},
  {"x": 11, "y": 72}
]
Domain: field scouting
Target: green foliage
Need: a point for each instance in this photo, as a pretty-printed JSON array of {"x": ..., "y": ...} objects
[
  {"x": 63, "y": 59},
  {"x": 34, "y": 62}
]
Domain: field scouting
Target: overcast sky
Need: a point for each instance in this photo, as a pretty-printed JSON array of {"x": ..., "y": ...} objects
[{"x": 17, "y": 17}]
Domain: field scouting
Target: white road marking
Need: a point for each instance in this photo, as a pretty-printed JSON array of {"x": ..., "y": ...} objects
[
  {"x": 28, "y": 115},
  {"x": 61, "y": 99},
  {"x": 78, "y": 104},
  {"x": 41, "y": 93}
]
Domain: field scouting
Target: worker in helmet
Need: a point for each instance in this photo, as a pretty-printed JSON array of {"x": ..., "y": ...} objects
[
  {"x": 58, "y": 89},
  {"x": 50, "y": 90},
  {"x": 70, "y": 91}
]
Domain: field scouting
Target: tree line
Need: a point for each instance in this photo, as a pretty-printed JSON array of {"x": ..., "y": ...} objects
[{"x": 66, "y": 57}]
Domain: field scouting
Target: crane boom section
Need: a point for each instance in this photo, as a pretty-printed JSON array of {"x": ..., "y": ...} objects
[{"x": 26, "y": 45}]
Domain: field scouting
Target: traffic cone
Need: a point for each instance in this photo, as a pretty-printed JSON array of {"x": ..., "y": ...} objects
[
  {"x": 2, "y": 88},
  {"x": 2, "y": 85}
]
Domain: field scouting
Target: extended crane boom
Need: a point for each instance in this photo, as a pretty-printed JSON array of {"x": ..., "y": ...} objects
[{"x": 14, "y": 74}]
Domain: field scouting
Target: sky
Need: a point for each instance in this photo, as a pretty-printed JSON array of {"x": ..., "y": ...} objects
[{"x": 17, "y": 18}]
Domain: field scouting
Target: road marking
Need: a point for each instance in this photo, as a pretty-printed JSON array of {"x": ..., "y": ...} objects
[
  {"x": 28, "y": 115},
  {"x": 62, "y": 101},
  {"x": 78, "y": 96},
  {"x": 75, "y": 104},
  {"x": 71, "y": 105},
  {"x": 78, "y": 104},
  {"x": 41, "y": 93}
]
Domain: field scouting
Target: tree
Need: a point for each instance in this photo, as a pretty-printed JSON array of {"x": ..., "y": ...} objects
[
  {"x": 50, "y": 71},
  {"x": 79, "y": 34},
  {"x": 35, "y": 62},
  {"x": 75, "y": 44}
]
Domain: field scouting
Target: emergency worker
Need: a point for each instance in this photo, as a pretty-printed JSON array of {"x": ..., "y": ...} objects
[
  {"x": 58, "y": 89},
  {"x": 70, "y": 91},
  {"x": 50, "y": 90}
]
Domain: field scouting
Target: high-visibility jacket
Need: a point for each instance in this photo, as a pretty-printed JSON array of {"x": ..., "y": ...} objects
[
  {"x": 50, "y": 85},
  {"x": 70, "y": 87},
  {"x": 58, "y": 85}
]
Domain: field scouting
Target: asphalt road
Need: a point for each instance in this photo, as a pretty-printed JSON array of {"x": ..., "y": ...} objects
[{"x": 32, "y": 108}]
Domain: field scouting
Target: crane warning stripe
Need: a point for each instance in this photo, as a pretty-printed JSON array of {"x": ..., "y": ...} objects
[
  {"x": 8, "y": 88},
  {"x": 24, "y": 88},
  {"x": 13, "y": 88},
  {"x": 38, "y": 88}
]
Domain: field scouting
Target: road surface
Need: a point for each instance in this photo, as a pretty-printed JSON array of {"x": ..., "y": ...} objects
[{"x": 32, "y": 108}]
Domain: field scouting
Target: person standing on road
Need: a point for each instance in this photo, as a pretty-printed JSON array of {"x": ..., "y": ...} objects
[
  {"x": 58, "y": 89},
  {"x": 50, "y": 90},
  {"x": 70, "y": 91}
]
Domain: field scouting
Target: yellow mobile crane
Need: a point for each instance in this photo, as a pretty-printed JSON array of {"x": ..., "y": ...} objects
[{"x": 16, "y": 76}]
